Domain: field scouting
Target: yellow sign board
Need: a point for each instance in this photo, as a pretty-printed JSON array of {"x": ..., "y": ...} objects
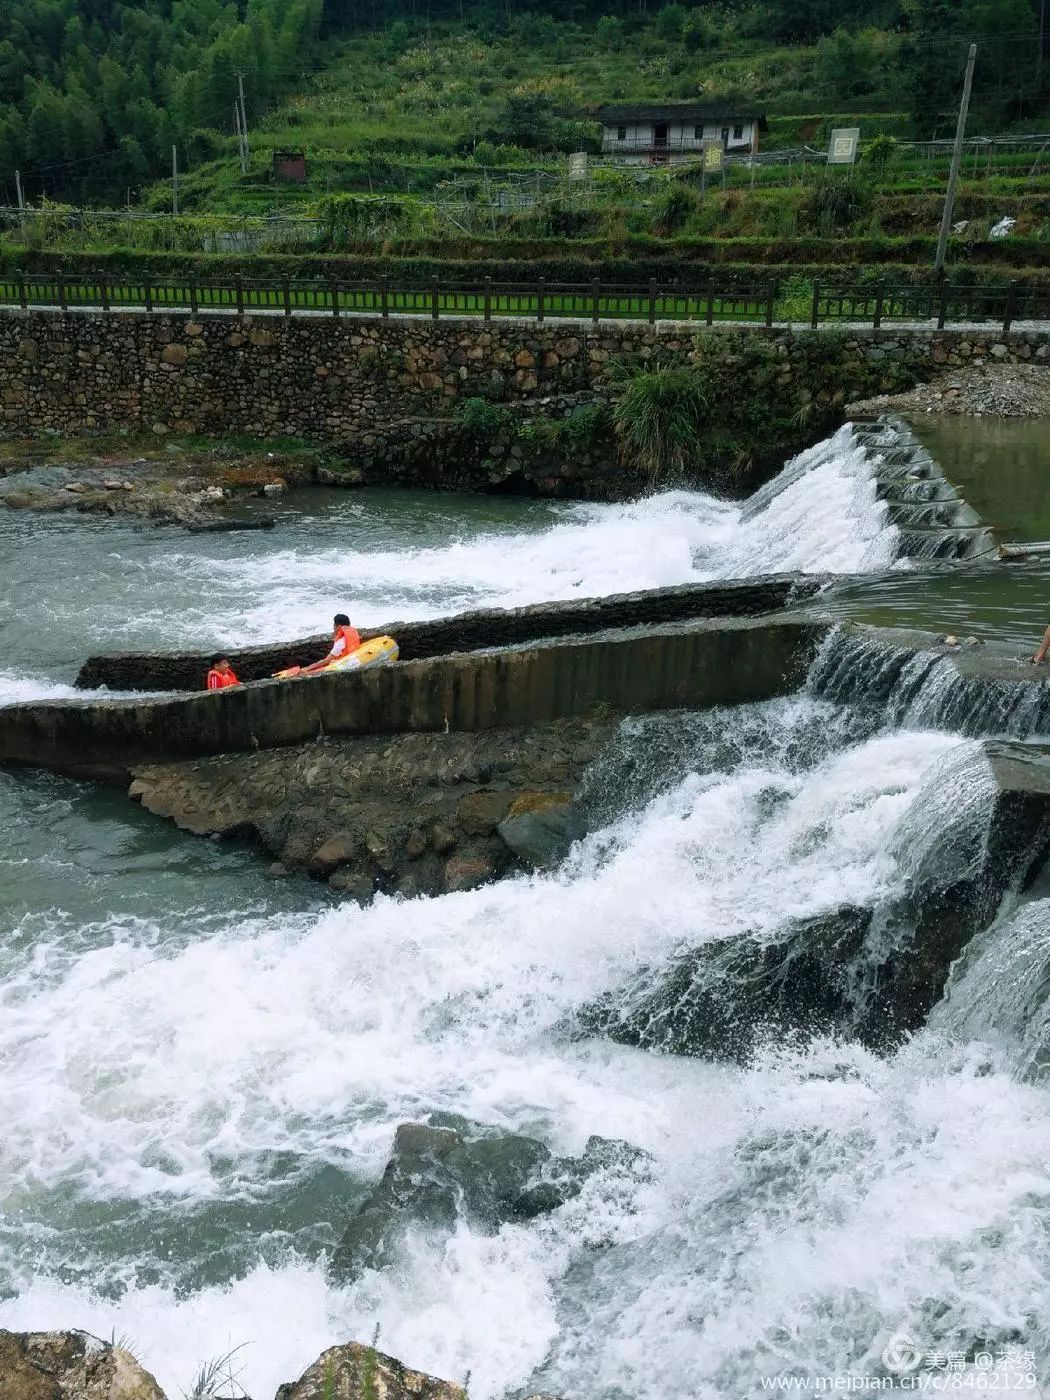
[{"x": 713, "y": 152}]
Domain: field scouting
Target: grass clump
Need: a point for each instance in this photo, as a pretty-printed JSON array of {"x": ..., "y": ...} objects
[{"x": 659, "y": 418}]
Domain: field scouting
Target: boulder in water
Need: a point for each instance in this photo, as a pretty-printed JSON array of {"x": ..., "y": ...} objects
[
  {"x": 438, "y": 1172},
  {"x": 70, "y": 1366},
  {"x": 540, "y": 827},
  {"x": 719, "y": 1000},
  {"x": 356, "y": 1372},
  {"x": 434, "y": 1171}
]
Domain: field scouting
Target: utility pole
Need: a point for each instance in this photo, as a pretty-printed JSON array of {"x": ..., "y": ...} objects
[
  {"x": 244, "y": 124},
  {"x": 174, "y": 179},
  {"x": 953, "y": 176},
  {"x": 21, "y": 202},
  {"x": 240, "y": 137}
]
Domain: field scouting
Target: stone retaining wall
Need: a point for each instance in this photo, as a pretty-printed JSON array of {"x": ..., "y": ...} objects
[
  {"x": 334, "y": 379},
  {"x": 690, "y": 665},
  {"x": 491, "y": 627}
]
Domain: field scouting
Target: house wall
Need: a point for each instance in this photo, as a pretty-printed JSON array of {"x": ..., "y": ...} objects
[{"x": 681, "y": 137}]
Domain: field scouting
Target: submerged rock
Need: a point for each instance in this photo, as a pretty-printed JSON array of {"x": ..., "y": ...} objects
[
  {"x": 70, "y": 1366},
  {"x": 723, "y": 997},
  {"x": 434, "y": 1172},
  {"x": 438, "y": 1173},
  {"x": 356, "y": 1372}
]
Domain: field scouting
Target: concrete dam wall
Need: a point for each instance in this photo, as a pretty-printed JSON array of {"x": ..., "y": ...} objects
[
  {"x": 690, "y": 665},
  {"x": 490, "y": 627}
]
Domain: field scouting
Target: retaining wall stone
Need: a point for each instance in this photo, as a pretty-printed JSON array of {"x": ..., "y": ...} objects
[{"x": 338, "y": 379}]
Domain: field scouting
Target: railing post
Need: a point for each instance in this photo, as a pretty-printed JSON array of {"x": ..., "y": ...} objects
[
  {"x": 61, "y": 292},
  {"x": 384, "y": 295},
  {"x": 104, "y": 294},
  {"x": 435, "y": 305},
  {"x": 596, "y": 301},
  {"x": 1008, "y": 314},
  {"x": 541, "y": 293},
  {"x": 652, "y": 301},
  {"x": 335, "y": 296},
  {"x": 709, "y": 308},
  {"x": 880, "y": 297},
  {"x": 23, "y": 299},
  {"x": 239, "y": 288},
  {"x": 147, "y": 294},
  {"x": 771, "y": 301},
  {"x": 194, "y": 298},
  {"x": 488, "y": 299},
  {"x": 814, "y": 311},
  {"x": 286, "y": 288}
]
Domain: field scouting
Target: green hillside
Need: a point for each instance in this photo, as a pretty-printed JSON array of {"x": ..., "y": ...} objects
[{"x": 440, "y": 131}]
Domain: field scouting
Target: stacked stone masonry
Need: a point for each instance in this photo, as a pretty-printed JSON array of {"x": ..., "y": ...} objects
[{"x": 335, "y": 380}]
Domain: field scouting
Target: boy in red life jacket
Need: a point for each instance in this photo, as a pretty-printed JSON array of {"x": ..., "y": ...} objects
[
  {"x": 345, "y": 639},
  {"x": 220, "y": 674}
]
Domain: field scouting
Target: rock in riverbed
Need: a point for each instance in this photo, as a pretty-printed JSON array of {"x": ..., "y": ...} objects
[
  {"x": 413, "y": 814},
  {"x": 439, "y": 1173},
  {"x": 356, "y": 1372},
  {"x": 70, "y": 1366}
]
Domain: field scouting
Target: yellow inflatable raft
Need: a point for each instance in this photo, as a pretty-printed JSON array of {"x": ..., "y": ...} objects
[{"x": 377, "y": 651}]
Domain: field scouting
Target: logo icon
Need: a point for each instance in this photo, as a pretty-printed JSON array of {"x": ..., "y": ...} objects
[{"x": 901, "y": 1354}]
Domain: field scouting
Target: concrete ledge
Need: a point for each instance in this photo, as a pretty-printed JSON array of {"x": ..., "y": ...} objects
[
  {"x": 695, "y": 664},
  {"x": 491, "y": 627}
]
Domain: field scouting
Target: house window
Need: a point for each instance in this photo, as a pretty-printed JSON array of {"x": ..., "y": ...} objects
[
  {"x": 698, "y": 133},
  {"x": 738, "y": 133},
  {"x": 621, "y": 133}
]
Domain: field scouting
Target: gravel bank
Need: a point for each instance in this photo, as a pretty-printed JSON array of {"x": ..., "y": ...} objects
[{"x": 1006, "y": 391}]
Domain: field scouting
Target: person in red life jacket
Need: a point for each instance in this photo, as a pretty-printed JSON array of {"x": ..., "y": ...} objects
[
  {"x": 220, "y": 673},
  {"x": 345, "y": 639}
]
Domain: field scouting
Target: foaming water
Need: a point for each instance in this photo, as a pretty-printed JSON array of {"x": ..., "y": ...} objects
[
  {"x": 999, "y": 991},
  {"x": 921, "y": 688},
  {"x": 84, "y": 586},
  {"x": 16, "y": 688},
  {"x": 821, "y": 514},
  {"x": 192, "y": 1104}
]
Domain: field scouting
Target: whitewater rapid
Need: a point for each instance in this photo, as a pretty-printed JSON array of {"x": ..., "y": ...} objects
[
  {"x": 192, "y": 1105},
  {"x": 201, "y": 1071},
  {"x": 384, "y": 556}
]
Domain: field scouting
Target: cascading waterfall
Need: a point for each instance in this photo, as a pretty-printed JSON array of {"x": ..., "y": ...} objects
[
  {"x": 919, "y": 688},
  {"x": 192, "y": 1104},
  {"x": 999, "y": 991},
  {"x": 385, "y": 556},
  {"x": 201, "y": 1072}
]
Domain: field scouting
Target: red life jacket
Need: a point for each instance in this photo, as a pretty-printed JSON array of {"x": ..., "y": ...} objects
[
  {"x": 219, "y": 680},
  {"x": 351, "y": 636}
]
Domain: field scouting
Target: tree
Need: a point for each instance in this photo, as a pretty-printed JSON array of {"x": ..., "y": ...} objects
[
  {"x": 46, "y": 132},
  {"x": 670, "y": 22},
  {"x": 609, "y": 32}
]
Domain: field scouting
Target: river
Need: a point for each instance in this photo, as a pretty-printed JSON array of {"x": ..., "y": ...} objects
[{"x": 201, "y": 1069}]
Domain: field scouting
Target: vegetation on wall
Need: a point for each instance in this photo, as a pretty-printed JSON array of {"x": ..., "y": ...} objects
[{"x": 720, "y": 418}]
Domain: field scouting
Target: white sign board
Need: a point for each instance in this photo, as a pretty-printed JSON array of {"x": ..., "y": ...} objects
[
  {"x": 843, "y": 147},
  {"x": 578, "y": 165}
]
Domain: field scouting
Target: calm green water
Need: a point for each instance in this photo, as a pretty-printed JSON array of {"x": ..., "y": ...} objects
[
  {"x": 1002, "y": 468},
  {"x": 1009, "y": 603},
  {"x": 1000, "y": 465}
]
